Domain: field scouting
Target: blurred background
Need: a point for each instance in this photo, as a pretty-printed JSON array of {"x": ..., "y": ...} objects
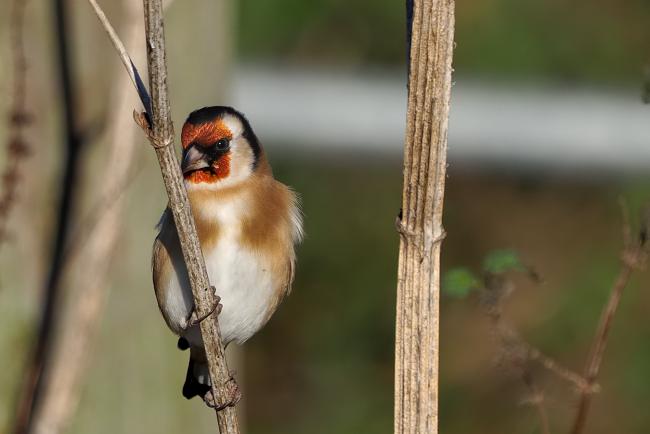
[{"x": 548, "y": 129}]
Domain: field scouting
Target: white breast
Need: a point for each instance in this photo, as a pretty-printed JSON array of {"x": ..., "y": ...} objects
[
  {"x": 239, "y": 275},
  {"x": 244, "y": 285}
]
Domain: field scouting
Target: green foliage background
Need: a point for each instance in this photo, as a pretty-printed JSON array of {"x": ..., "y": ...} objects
[{"x": 573, "y": 41}]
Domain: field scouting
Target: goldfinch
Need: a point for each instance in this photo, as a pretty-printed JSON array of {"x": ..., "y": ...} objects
[{"x": 248, "y": 225}]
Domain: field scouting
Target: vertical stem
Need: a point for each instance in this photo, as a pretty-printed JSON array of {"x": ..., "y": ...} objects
[
  {"x": 19, "y": 118},
  {"x": 420, "y": 226},
  {"x": 33, "y": 381},
  {"x": 162, "y": 132},
  {"x": 76, "y": 338}
]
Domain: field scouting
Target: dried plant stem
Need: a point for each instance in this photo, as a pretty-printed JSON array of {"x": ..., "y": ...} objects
[
  {"x": 561, "y": 371},
  {"x": 124, "y": 55},
  {"x": 19, "y": 118},
  {"x": 519, "y": 354},
  {"x": 41, "y": 353},
  {"x": 522, "y": 352},
  {"x": 89, "y": 291},
  {"x": 159, "y": 130},
  {"x": 632, "y": 259},
  {"x": 512, "y": 344},
  {"x": 162, "y": 137},
  {"x": 420, "y": 226}
]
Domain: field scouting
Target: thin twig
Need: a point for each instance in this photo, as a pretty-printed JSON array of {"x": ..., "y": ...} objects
[
  {"x": 92, "y": 247},
  {"x": 513, "y": 345},
  {"x": 561, "y": 371},
  {"x": 17, "y": 146},
  {"x": 632, "y": 258},
  {"x": 161, "y": 136},
  {"x": 124, "y": 56},
  {"x": 158, "y": 128},
  {"x": 519, "y": 354}
]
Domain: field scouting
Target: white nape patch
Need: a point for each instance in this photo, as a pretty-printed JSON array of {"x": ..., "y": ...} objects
[{"x": 234, "y": 125}]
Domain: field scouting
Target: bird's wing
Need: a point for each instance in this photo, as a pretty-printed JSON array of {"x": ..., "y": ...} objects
[
  {"x": 165, "y": 245},
  {"x": 160, "y": 256}
]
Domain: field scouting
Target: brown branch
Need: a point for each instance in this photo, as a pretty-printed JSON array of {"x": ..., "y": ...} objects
[
  {"x": 553, "y": 366},
  {"x": 495, "y": 291},
  {"x": 162, "y": 136},
  {"x": 418, "y": 282},
  {"x": 92, "y": 247},
  {"x": 40, "y": 355},
  {"x": 17, "y": 148},
  {"x": 633, "y": 258},
  {"x": 124, "y": 55},
  {"x": 159, "y": 130},
  {"x": 519, "y": 351},
  {"x": 519, "y": 354}
]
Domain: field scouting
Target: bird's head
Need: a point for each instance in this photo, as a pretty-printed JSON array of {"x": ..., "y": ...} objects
[{"x": 219, "y": 148}]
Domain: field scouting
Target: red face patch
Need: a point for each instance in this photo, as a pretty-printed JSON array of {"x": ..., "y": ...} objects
[
  {"x": 204, "y": 134},
  {"x": 219, "y": 170},
  {"x": 207, "y": 134}
]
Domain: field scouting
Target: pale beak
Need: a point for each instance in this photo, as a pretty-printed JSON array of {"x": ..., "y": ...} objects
[{"x": 194, "y": 159}]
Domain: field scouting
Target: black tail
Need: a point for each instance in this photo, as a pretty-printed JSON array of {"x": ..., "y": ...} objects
[{"x": 192, "y": 386}]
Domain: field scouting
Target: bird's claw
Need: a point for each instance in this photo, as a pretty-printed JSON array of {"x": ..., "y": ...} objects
[
  {"x": 194, "y": 319},
  {"x": 234, "y": 396}
]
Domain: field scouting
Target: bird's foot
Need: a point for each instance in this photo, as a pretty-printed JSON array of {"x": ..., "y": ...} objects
[
  {"x": 233, "y": 393},
  {"x": 194, "y": 319}
]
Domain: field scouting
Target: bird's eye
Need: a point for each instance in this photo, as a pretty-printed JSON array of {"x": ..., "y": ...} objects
[{"x": 223, "y": 144}]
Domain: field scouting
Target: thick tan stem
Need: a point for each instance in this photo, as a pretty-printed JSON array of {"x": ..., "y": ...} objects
[
  {"x": 89, "y": 290},
  {"x": 417, "y": 340},
  {"x": 162, "y": 135}
]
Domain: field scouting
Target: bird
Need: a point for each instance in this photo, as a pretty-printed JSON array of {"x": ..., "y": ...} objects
[{"x": 248, "y": 225}]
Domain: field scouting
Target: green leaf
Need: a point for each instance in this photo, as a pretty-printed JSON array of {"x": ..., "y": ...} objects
[
  {"x": 500, "y": 261},
  {"x": 459, "y": 282}
]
